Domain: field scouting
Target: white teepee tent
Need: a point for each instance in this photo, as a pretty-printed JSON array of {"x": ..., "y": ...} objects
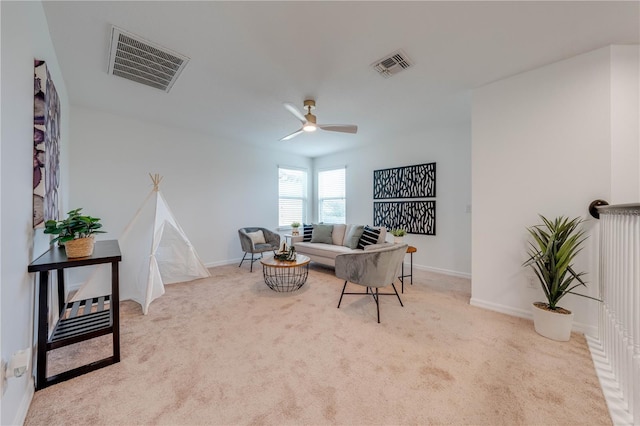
[{"x": 155, "y": 251}]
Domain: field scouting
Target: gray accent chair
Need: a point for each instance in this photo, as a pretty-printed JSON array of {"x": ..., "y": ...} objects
[
  {"x": 272, "y": 243},
  {"x": 371, "y": 269}
]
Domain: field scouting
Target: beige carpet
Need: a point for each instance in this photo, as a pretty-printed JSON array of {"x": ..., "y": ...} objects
[{"x": 227, "y": 350}]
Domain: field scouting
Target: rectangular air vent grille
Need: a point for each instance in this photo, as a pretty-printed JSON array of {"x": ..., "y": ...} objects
[
  {"x": 147, "y": 63},
  {"x": 392, "y": 64}
]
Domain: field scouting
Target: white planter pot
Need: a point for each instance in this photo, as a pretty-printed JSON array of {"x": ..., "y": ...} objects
[
  {"x": 552, "y": 325},
  {"x": 398, "y": 240}
]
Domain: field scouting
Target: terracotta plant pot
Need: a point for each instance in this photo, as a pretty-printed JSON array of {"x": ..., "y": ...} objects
[
  {"x": 554, "y": 325},
  {"x": 80, "y": 247}
]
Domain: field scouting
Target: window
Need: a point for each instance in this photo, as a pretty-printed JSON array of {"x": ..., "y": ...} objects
[
  {"x": 292, "y": 190},
  {"x": 331, "y": 196}
]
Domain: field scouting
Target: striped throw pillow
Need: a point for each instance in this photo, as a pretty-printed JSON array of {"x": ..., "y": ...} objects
[
  {"x": 369, "y": 236},
  {"x": 307, "y": 230}
]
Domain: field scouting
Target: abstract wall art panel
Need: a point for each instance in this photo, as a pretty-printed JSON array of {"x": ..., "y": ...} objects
[
  {"x": 46, "y": 146},
  {"x": 416, "y": 217},
  {"x": 417, "y": 181}
]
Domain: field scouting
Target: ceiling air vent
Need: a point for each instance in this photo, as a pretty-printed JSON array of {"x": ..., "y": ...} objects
[
  {"x": 144, "y": 62},
  {"x": 392, "y": 64}
]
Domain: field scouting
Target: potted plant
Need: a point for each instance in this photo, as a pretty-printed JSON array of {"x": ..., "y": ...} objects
[
  {"x": 294, "y": 228},
  {"x": 75, "y": 232},
  {"x": 551, "y": 253},
  {"x": 398, "y": 235}
]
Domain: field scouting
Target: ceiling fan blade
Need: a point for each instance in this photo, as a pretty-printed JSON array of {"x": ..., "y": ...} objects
[
  {"x": 295, "y": 111},
  {"x": 292, "y": 135},
  {"x": 344, "y": 128}
]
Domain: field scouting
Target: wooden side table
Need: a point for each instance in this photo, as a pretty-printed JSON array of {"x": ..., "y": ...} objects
[
  {"x": 410, "y": 250},
  {"x": 80, "y": 320},
  {"x": 285, "y": 276}
]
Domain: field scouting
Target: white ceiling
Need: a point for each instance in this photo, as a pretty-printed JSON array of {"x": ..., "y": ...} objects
[{"x": 247, "y": 58}]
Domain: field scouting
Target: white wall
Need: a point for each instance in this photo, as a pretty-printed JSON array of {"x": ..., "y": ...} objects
[
  {"x": 25, "y": 36},
  {"x": 213, "y": 187},
  {"x": 449, "y": 250},
  {"x": 625, "y": 131},
  {"x": 541, "y": 144}
]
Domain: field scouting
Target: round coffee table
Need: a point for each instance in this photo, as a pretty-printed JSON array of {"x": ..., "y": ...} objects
[{"x": 284, "y": 276}]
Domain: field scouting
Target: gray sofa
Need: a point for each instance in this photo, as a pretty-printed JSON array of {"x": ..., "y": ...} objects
[{"x": 323, "y": 247}]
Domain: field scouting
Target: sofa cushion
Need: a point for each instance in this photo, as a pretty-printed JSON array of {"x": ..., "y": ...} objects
[
  {"x": 352, "y": 238},
  {"x": 369, "y": 236},
  {"x": 373, "y": 247},
  {"x": 257, "y": 237},
  {"x": 322, "y": 234},
  {"x": 321, "y": 249},
  {"x": 337, "y": 235},
  {"x": 306, "y": 232}
]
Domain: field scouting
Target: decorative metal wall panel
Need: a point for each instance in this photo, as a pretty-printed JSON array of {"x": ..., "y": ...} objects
[
  {"x": 416, "y": 217},
  {"x": 417, "y": 181}
]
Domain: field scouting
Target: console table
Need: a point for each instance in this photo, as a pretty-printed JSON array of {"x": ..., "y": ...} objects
[{"x": 80, "y": 320}]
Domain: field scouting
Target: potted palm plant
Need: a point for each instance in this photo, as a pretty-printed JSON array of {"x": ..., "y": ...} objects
[
  {"x": 552, "y": 250},
  {"x": 75, "y": 232}
]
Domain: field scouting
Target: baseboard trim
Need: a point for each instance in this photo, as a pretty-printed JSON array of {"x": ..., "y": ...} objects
[
  {"x": 586, "y": 329},
  {"x": 406, "y": 265},
  {"x": 25, "y": 403},
  {"x": 503, "y": 309},
  {"x": 223, "y": 263},
  {"x": 618, "y": 409},
  {"x": 440, "y": 271}
]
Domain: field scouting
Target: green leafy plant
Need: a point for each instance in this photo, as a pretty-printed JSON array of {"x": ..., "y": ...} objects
[
  {"x": 398, "y": 232},
  {"x": 551, "y": 253},
  {"x": 74, "y": 226},
  {"x": 295, "y": 225}
]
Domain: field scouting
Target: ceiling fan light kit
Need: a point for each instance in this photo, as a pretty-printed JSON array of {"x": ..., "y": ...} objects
[{"x": 309, "y": 123}]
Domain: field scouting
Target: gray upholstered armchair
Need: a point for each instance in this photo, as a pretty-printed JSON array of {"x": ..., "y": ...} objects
[
  {"x": 257, "y": 240},
  {"x": 371, "y": 269}
]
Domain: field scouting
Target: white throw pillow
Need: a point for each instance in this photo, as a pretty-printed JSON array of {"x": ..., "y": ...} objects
[{"x": 257, "y": 237}]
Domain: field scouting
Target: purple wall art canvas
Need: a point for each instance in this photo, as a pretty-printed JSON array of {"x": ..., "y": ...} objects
[{"x": 46, "y": 146}]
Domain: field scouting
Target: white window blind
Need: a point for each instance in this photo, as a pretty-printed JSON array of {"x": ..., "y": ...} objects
[
  {"x": 292, "y": 190},
  {"x": 332, "y": 196}
]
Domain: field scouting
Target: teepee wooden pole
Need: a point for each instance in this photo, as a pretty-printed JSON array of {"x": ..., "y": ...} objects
[{"x": 155, "y": 178}]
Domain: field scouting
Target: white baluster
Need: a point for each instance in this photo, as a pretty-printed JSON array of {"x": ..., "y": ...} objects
[{"x": 619, "y": 314}]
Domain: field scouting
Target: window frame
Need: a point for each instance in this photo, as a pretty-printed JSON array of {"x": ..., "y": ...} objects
[
  {"x": 304, "y": 198},
  {"x": 319, "y": 200}
]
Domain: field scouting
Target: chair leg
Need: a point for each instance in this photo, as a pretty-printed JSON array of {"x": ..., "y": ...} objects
[
  {"x": 245, "y": 255},
  {"x": 378, "y": 304},
  {"x": 376, "y": 296},
  {"x": 394, "y": 289},
  {"x": 342, "y": 294},
  {"x": 252, "y": 260}
]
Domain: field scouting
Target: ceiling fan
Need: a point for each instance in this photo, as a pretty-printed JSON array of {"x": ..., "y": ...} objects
[{"x": 309, "y": 121}]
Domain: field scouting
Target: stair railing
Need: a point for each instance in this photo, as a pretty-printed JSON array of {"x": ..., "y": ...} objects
[{"x": 616, "y": 351}]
